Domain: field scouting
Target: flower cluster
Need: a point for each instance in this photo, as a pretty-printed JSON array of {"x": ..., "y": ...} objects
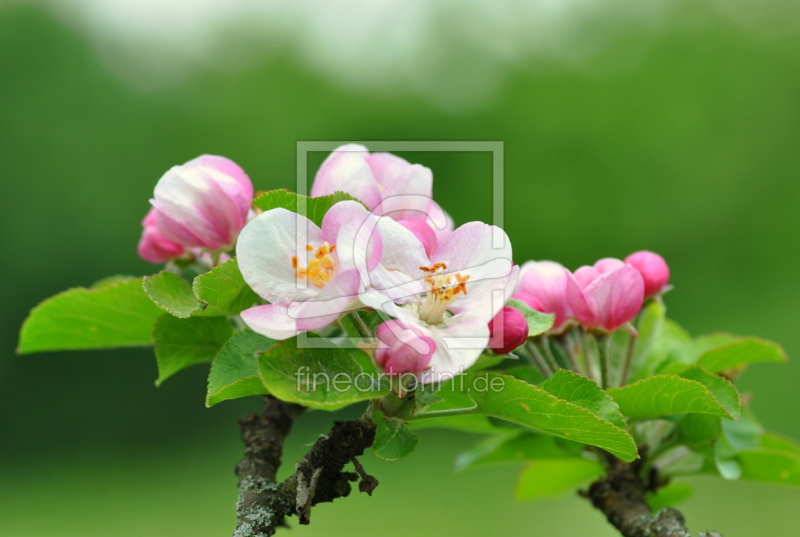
[{"x": 440, "y": 293}]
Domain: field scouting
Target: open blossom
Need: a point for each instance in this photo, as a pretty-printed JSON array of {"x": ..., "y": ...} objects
[
  {"x": 387, "y": 184},
  {"x": 543, "y": 287},
  {"x": 448, "y": 297},
  {"x": 605, "y": 296},
  {"x": 508, "y": 330},
  {"x": 203, "y": 203},
  {"x": 402, "y": 349},
  {"x": 653, "y": 269},
  {"x": 154, "y": 247},
  {"x": 309, "y": 284}
]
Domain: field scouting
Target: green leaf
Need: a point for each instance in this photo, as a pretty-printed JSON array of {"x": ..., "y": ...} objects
[
  {"x": 726, "y": 460},
  {"x": 685, "y": 354},
  {"x": 650, "y": 326},
  {"x": 746, "y": 433},
  {"x": 519, "y": 446},
  {"x": 180, "y": 343},
  {"x": 771, "y": 466},
  {"x": 724, "y": 392},
  {"x": 775, "y": 442},
  {"x": 538, "y": 322},
  {"x": 700, "y": 431},
  {"x": 325, "y": 378},
  {"x": 111, "y": 281},
  {"x": 671, "y": 336},
  {"x": 668, "y": 496},
  {"x": 555, "y": 477},
  {"x": 393, "y": 440},
  {"x": 224, "y": 290},
  {"x": 516, "y": 401},
  {"x": 234, "y": 372},
  {"x": 115, "y": 314},
  {"x": 585, "y": 393},
  {"x": 487, "y": 360},
  {"x": 315, "y": 207},
  {"x": 666, "y": 395},
  {"x": 468, "y": 424},
  {"x": 526, "y": 373},
  {"x": 739, "y": 353},
  {"x": 171, "y": 293}
]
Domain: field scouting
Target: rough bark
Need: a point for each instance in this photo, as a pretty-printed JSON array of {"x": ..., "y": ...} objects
[
  {"x": 620, "y": 495},
  {"x": 319, "y": 477}
]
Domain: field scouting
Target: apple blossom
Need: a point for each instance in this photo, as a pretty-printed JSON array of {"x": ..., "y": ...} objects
[
  {"x": 514, "y": 329},
  {"x": 203, "y": 203},
  {"x": 154, "y": 247},
  {"x": 653, "y": 269},
  {"x": 606, "y": 295},
  {"x": 449, "y": 297},
  {"x": 387, "y": 184},
  {"x": 543, "y": 287},
  {"x": 402, "y": 349},
  {"x": 309, "y": 284}
]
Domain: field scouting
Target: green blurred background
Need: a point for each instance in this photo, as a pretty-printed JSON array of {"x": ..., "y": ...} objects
[{"x": 677, "y": 134}]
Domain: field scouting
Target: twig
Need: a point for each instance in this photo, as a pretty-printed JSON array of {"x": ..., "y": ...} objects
[
  {"x": 319, "y": 477},
  {"x": 621, "y": 497}
]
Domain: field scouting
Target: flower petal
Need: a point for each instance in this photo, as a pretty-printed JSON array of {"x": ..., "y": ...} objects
[
  {"x": 265, "y": 250},
  {"x": 458, "y": 346},
  {"x": 354, "y": 231},
  {"x": 483, "y": 253},
  {"x": 398, "y": 275},
  {"x": 271, "y": 320},
  {"x": 346, "y": 170},
  {"x": 337, "y": 297}
]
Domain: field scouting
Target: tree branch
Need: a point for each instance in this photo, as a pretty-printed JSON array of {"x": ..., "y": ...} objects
[
  {"x": 319, "y": 477},
  {"x": 621, "y": 497}
]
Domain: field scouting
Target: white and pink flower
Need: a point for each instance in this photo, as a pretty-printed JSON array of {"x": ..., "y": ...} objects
[
  {"x": 154, "y": 247},
  {"x": 310, "y": 275},
  {"x": 203, "y": 203},
  {"x": 447, "y": 299},
  {"x": 388, "y": 185}
]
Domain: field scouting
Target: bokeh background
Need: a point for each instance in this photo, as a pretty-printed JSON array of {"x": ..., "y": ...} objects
[{"x": 672, "y": 126}]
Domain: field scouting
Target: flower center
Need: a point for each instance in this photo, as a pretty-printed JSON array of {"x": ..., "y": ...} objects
[
  {"x": 443, "y": 289},
  {"x": 321, "y": 268}
]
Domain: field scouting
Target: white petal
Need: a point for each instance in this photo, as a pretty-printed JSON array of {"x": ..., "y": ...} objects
[
  {"x": 458, "y": 346},
  {"x": 265, "y": 249},
  {"x": 270, "y": 320},
  {"x": 398, "y": 275},
  {"x": 482, "y": 252}
]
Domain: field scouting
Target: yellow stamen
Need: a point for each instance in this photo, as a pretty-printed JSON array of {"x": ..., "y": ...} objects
[
  {"x": 441, "y": 292},
  {"x": 321, "y": 268}
]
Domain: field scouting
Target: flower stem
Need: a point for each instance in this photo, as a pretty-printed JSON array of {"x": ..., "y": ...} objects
[
  {"x": 538, "y": 360},
  {"x": 602, "y": 347},
  {"x": 571, "y": 352},
  {"x": 548, "y": 352},
  {"x": 360, "y": 326},
  {"x": 626, "y": 370}
]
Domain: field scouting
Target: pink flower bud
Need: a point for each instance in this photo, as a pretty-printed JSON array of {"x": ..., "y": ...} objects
[
  {"x": 514, "y": 329},
  {"x": 203, "y": 203},
  {"x": 155, "y": 247},
  {"x": 653, "y": 269},
  {"x": 422, "y": 231},
  {"x": 604, "y": 297},
  {"x": 543, "y": 286},
  {"x": 403, "y": 349}
]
